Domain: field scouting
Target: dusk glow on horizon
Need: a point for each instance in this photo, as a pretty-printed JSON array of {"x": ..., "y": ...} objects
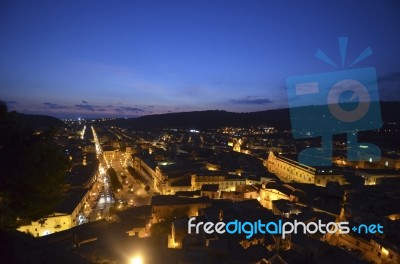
[{"x": 134, "y": 58}]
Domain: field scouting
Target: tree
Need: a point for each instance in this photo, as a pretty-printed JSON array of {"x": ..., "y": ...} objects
[
  {"x": 114, "y": 179},
  {"x": 32, "y": 172},
  {"x": 136, "y": 175}
]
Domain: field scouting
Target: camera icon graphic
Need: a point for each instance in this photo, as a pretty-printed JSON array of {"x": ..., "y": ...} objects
[{"x": 343, "y": 101}]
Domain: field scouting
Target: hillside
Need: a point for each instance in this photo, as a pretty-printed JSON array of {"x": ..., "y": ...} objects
[
  {"x": 279, "y": 118},
  {"x": 38, "y": 121}
]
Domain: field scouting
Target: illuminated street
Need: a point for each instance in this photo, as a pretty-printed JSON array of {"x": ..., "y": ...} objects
[{"x": 132, "y": 193}]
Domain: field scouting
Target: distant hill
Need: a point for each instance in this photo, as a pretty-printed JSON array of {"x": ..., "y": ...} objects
[
  {"x": 204, "y": 120},
  {"x": 39, "y": 121},
  {"x": 279, "y": 118},
  {"x": 390, "y": 111}
]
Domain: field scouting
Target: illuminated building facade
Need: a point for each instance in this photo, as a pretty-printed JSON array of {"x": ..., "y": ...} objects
[
  {"x": 67, "y": 215},
  {"x": 289, "y": 170}
]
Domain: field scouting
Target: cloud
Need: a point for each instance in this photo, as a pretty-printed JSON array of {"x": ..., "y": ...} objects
[
  {"x": 132, "y": 109},
  {"x": 251, "y": 100},
  {"x": 10, "y": 104},
  {"x": 84, "y": 102},
  {"x": 120, "y": 110},
  {"x": 85, "y": 106},
  {"x": 124, "y": 109},
  {"x": 54, "y": 106},
  {"x": 392, "y": 77}
]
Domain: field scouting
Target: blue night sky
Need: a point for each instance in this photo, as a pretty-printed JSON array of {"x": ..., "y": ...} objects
[{"x": 132, "y": 58}]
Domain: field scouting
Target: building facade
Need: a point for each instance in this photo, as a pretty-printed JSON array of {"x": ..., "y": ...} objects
[
  {"x": 67, "y": 215},
  {"x": 289, "y": 170}
]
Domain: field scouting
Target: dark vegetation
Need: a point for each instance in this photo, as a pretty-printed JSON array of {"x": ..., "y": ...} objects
[
  {"x": 38, "y": 121},
  {"x": 136, "y": 175},
  {"x": 116, "y": 184},
  {"x": 32, "y": 171}
]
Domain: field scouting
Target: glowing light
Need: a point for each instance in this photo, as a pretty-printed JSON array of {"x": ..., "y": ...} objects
[{"x": 136, "y": 260}]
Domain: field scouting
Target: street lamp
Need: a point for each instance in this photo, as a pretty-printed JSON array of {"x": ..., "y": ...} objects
[{"x": 136, "y": 260}]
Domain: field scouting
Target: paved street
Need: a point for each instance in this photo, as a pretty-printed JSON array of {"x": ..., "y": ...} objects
[
  {"x": 133, "y": 192},
  {"x": 104, "y": 197}
]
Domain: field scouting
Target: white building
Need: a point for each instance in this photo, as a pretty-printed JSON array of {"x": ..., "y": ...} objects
[
  {"x": 289, "y": 170},
  {"x": 67, "y": 215}
]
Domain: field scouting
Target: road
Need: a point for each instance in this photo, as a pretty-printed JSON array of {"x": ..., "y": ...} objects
[
  {"x": 105, "y": 198},
  {"x": 132, "y": 193}
]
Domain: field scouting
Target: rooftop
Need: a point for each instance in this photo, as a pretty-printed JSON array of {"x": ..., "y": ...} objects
[
  {"x": 71, "y": 201},
  {"x": 163, "y": 200},
  {"x": 210, "y": 187}
]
